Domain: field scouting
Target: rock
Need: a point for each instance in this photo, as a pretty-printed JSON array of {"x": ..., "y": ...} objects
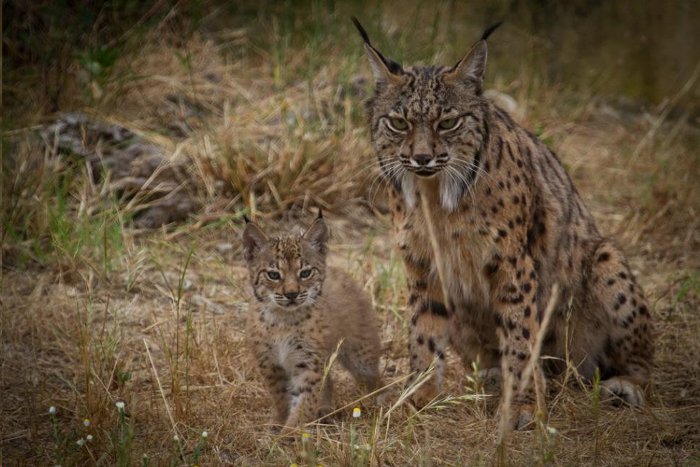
[
  {"x": 200, "y": 301},
  {"x": 137, "y": 167},
  {"x": 224, "y": 248},
  {"x": 173, "y": 279}
]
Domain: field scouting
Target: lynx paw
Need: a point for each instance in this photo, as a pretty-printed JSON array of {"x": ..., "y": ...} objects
[
  {"x": 524, "y": 418},
  {"x": 619, "y": 390},
  {"x": 521, "y": 417},
  {"x": 491, "y": 378}
]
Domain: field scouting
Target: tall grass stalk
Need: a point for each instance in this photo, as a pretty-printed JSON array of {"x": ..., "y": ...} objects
[{"x": 596, "y": 417}]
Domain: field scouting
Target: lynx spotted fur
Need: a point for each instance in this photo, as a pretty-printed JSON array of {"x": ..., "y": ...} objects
[{"x": 508, "y": 225}]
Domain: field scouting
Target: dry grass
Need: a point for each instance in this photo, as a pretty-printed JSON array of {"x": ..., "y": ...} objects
[{"x": 94, "y": 312}]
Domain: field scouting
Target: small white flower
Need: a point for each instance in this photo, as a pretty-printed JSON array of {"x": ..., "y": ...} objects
[
  {"x": 176, "y": 438},
  {"x": 80, "y": 442},
  {"x": 552, "y": 431},
  {"x": 120, "y": 405},
  {"x": 52, "y": 410},
  {"x": 205, "y": 434},
  {"x": 86, "y": 422},
  {"x": 356, "y": 412},
  {"x": 88, "y": 438}
]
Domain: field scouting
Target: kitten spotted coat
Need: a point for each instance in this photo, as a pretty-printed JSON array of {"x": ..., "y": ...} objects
[{"x": 300, "y": 312}]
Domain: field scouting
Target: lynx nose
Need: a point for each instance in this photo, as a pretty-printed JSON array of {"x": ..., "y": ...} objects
[
  {"x": 422, "y": 159},
  {"x": 291, "y": 295}
]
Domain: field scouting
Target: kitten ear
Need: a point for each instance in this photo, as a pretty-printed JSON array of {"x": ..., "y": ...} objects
[
  {"x": 317, "y": 234},
  {"x": 473, "y": 66},
  {"x": 384, "y": 69},
  {"x": 254, "y": 239}
]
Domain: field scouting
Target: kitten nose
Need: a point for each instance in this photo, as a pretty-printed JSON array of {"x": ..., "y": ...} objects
[
  {"x": 291, "y": 295},
  {"x": 422, "y": 159}
]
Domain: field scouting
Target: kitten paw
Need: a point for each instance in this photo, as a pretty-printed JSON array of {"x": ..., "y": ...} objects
[
  {"x": 424, "y": 394},
  {"x": 386, "y": 398}
]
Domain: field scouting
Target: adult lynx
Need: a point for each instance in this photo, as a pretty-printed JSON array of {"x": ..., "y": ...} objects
[{"x": 508, "y": 224}]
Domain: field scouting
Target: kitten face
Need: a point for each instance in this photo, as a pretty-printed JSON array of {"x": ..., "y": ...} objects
[{"x": 286, "y": 272}]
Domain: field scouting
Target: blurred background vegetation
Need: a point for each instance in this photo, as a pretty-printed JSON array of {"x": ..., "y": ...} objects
[
  {"x": 254, "y": 105},
  {"x": 639, "y": 52}
]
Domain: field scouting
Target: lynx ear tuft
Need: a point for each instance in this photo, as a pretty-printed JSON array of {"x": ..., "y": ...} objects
[
  {"x": 384, "y": 69},
  {"x": 361, "y": 30},
  {"x": 472, "y": 68},
  {"x": 488, "y": 31}
]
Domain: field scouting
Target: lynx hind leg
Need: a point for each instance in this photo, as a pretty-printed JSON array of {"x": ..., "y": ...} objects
[
  {"x": 363, "y": 363},
  {"x": 629, "y": 348}
]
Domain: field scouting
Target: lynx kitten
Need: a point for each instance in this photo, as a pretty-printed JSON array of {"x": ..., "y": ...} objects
[{"x": 300, "y": 312}]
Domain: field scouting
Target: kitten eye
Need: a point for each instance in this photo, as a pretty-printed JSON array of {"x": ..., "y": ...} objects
[
  {"x": 397, "y": 124},
  {"x": 274, "y": 275},
  {"x": 305, "y": 273},
  {"x": 448, "y": 124}
]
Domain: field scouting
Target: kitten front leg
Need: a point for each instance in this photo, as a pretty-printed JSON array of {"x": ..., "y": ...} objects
[
  {"x": 277, "y": 381},
  {"x": 310, "y": 394},
  {"x": 514, "y": 288}
]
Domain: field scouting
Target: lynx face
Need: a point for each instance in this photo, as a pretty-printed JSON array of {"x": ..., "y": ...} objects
[
  {"x": 429, "y": 122},
  {"x": 286, "y": 272}
]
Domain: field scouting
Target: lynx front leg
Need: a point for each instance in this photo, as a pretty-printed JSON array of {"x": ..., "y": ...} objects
[
  {"x": 428, "y": 339},
  {"x": 514, "y": 283},
  {"x": 363, "y": 364}
]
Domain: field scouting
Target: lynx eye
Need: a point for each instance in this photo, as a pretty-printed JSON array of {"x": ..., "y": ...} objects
[
  {"x": 274, "y": 275},
  {"x": 397, "y": 124},
  {"x": 305, "y": 273},
  {"x": 448, "y": 124}
]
